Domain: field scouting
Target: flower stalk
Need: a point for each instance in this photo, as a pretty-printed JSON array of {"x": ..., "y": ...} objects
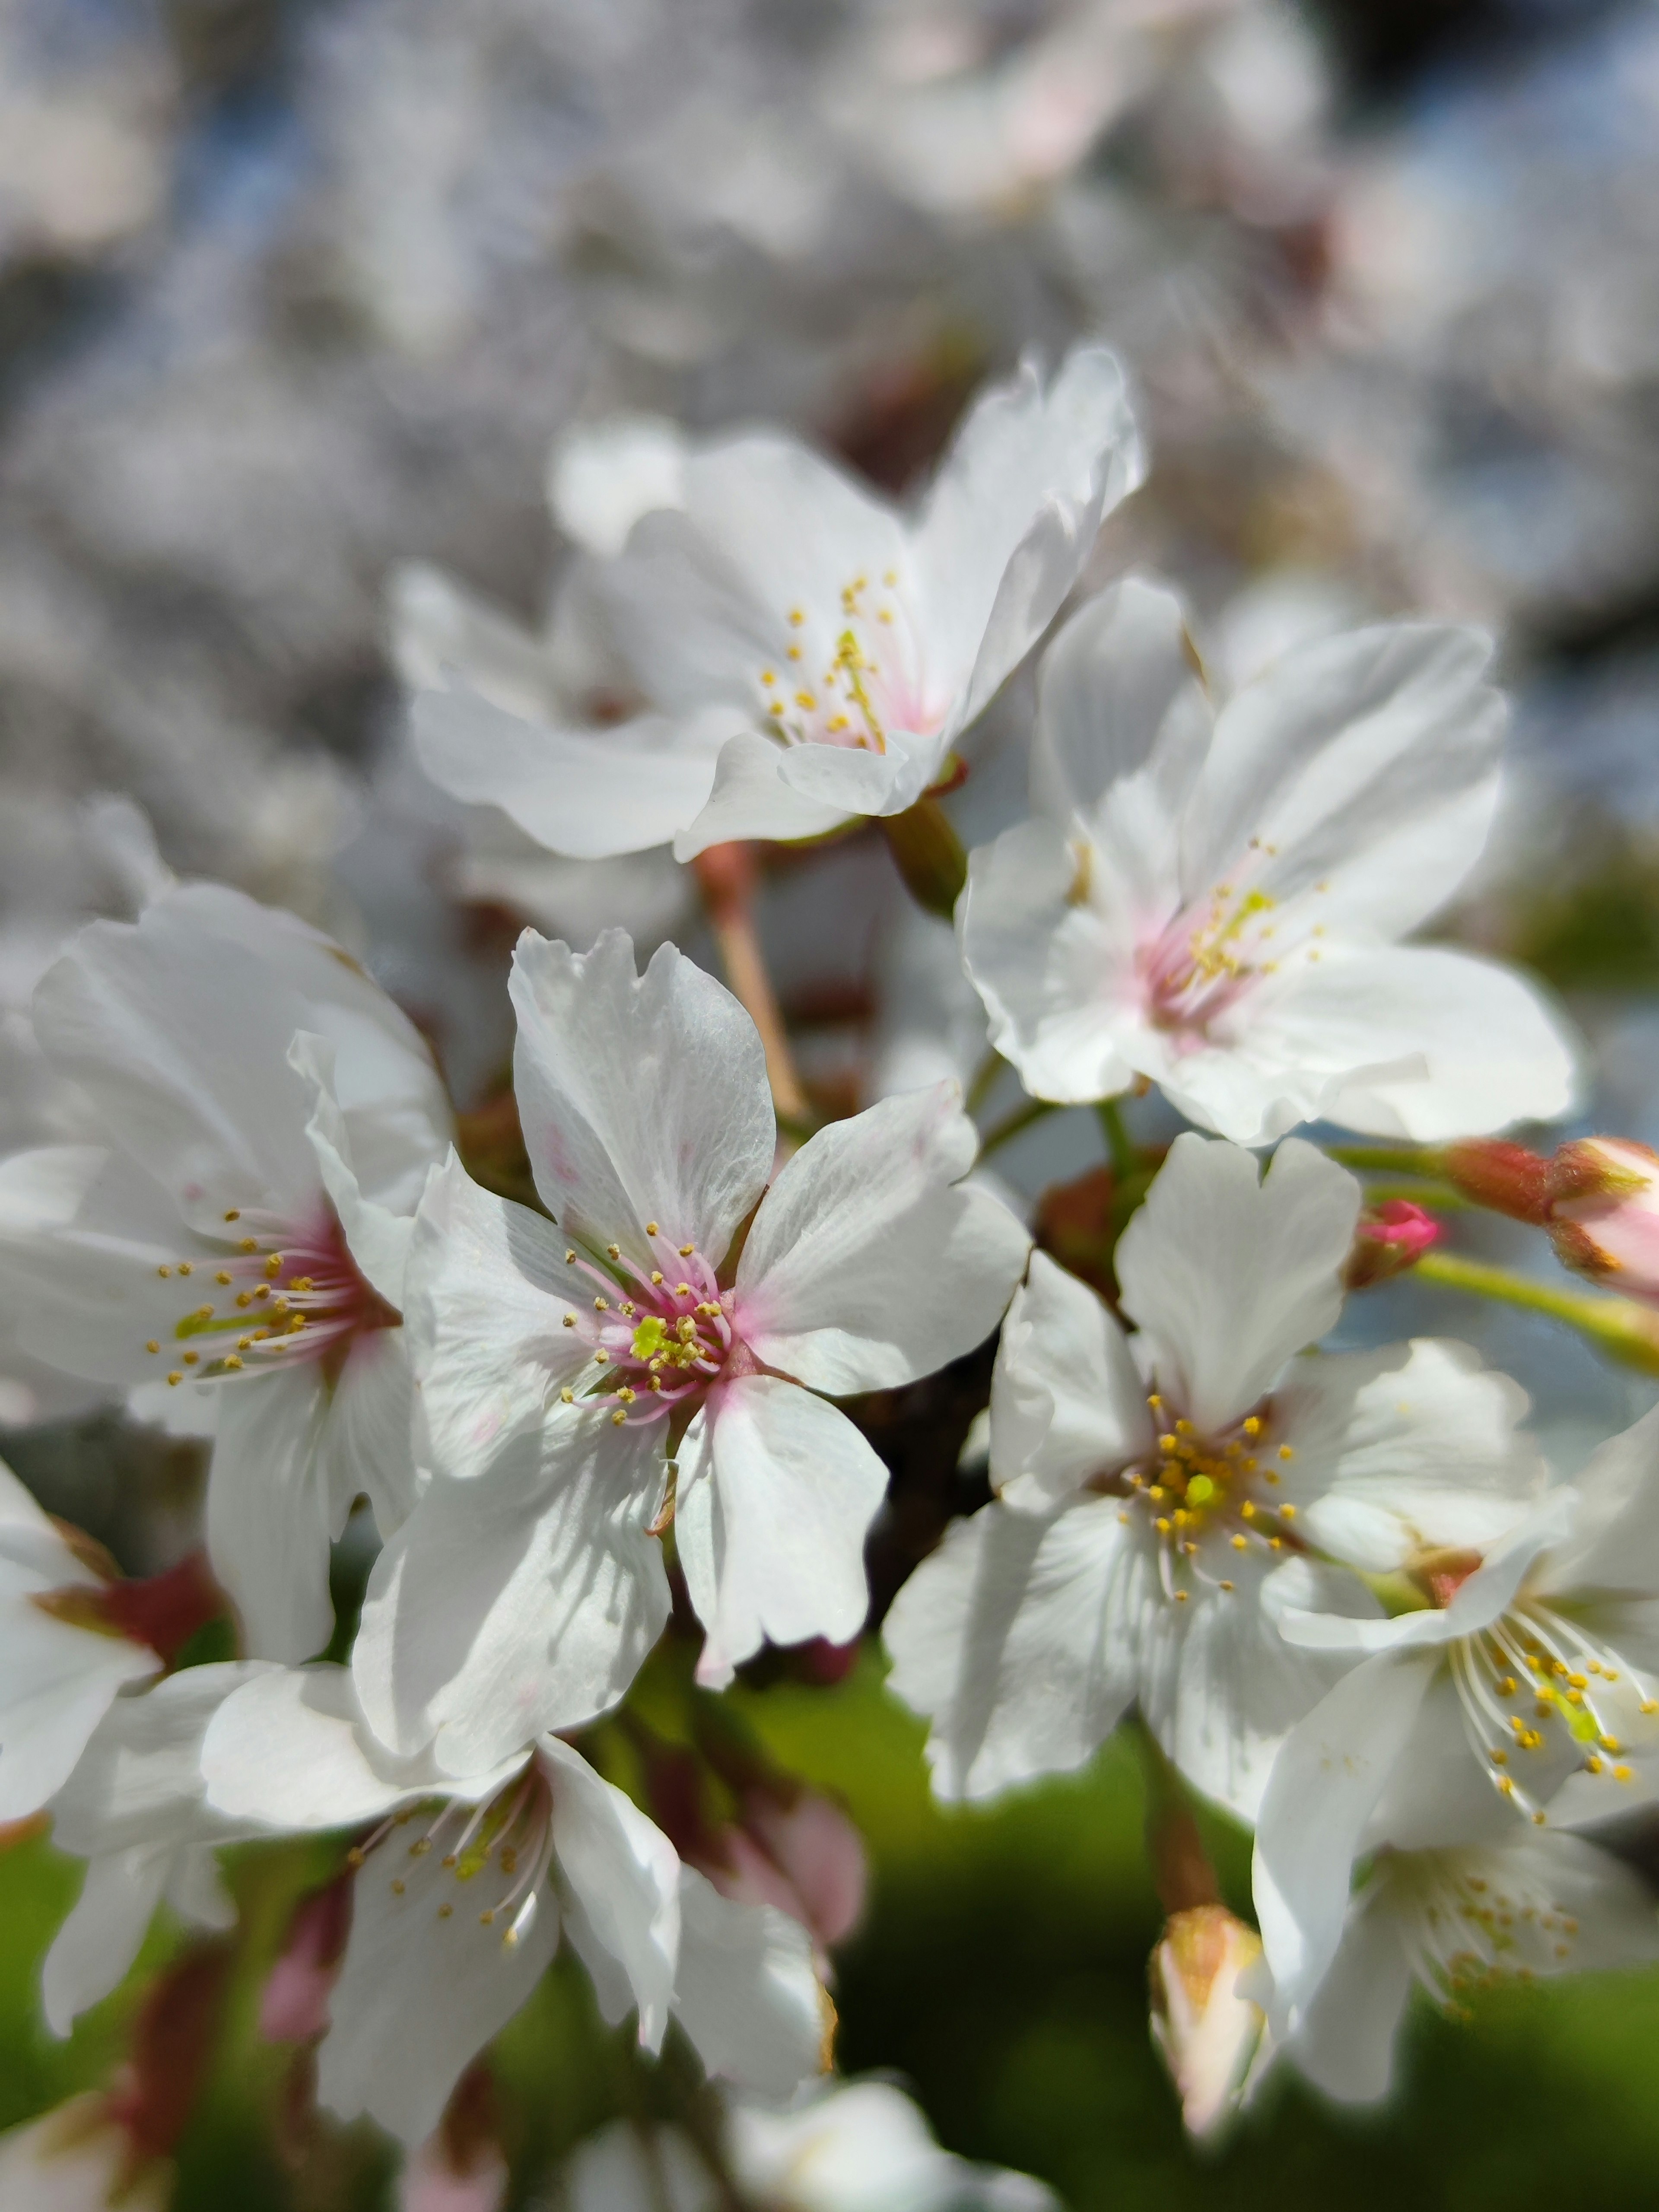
[
  {"x": 928, "y": 855},
  {"x": 726, "y": 875},
  {"x": 1626, "y": 1332}
]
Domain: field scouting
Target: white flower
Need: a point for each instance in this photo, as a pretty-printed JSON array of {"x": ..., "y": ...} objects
[
  {"x": 1529, "y": 1684},
  {"x": 1207, "y": 2030},
  {"x": 851, "y": 2146},
  {"x": 1166, "y": 1495},
  {"x": 271, "y": 1118},
  {"x": 1214, "y": 902},
  {"x": 134, "y": 1808},
  {"x": 79, "y": 2157},
  {"x": 61, "y": 1668},
  {"x": 466, "y": 1887},
  {"x": 864, "y": 2147},
  {"x": 556, "y": 1362},
  {"x": 1462, "y": 1917},
  {"x": 811, "y": 653}
]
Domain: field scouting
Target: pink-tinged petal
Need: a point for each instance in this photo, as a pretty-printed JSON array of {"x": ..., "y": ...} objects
[
  {"x": 777, "y": 1489},
  {"x": 1228, "y": 1276},
  {"x": 643, "y": 1099},
  {"x": 868, "y": 1264},
  {"x": 1068, "y": 1401}
]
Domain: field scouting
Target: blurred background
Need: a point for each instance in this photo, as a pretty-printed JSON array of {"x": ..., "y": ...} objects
[{"x": 295, "y": 294}]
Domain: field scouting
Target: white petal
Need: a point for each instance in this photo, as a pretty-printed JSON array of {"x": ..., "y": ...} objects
[
  {"x": 523, "y": 1601},
  {"x": 1066, "y": 1399},
  {"x": 1236, "y": 1688},
  {"x": 746, "y": 1993},
  {"x": 1013, "y": 514},
  {"x": 292, "y": 1751},
  {"x": 1326, "y": 1781},
  {"x": 1366, "y": 763},
  {"x": 847, "y": 778},
  {"x": 750, "y": 797},
  {"x": 269, "y": 1514},
  {"x": 642, "y": 1099},
  {"x": 1122, "y": 719},
  {"x": 57, "y": 1683},
  {"x": 83, "y": 1234},
  {"x": 438, "y": 626},
  {"x": 867, "y": 1264},
  {"x": 488, "y": 1291},
  {"x": 1345, "y": 2042},
  {"x": 1056, "y": 971},
  {"x": 139, "y": 1782},
  {"x": 1229, "y": 1277},
  {"x": 102, "y": 1934},
  {"x": 1022, "y": 1639},
  {"x": 626, "y": 1874},
  {"x": 1613, "y": 1546},
  {"x": 775, "y": 1519},
  {"x": 1429, "y": 1451},
  {"x": 366, "y": 1443},
  {"x": 378, "y": 1238},
  {"x": 587, "y": 792},
  {"x": 603, "y": 475},
  {"x": 420, "y": 1994},
  {"x": 1479, "y": 1047}
]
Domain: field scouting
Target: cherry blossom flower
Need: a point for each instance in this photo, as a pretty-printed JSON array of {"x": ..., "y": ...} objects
[
  {"x": 1165, "y": 1497},
  {"x": 1213, "y": 902},
  {"x": 466, "y": 1887},
  {"x": 556, "y": 1363},
  {"x": 805, "y": 652},
  {"x": 271, "y": 1118},
  {"x": 1459, "y": 1918},
  {"x": 1526, "y": 1685},
  {"x": 864, "y": 2147}
]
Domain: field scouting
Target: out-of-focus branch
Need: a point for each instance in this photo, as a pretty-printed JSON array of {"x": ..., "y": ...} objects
[{"x": 726, "y": 874}]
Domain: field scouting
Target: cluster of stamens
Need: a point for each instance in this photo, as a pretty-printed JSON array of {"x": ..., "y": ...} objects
[
  {"x": 513, "y": 1832},
  {"x": 1198, "y": 966},
  {"x": 277, "y": 1293},
  {"x": 1468, "y": 1934},
  {"x": 864, "y": 689},
  {"x": 659, "y": 1335},
  {"x": 1200, "y": 1486},
  {"x": 1536, "y": 1683}
]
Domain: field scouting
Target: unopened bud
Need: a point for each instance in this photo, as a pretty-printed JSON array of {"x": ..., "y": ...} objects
[
  {"x": 1605, "y": 1212},
  {"x": 1389, "y": 1238},
  {"x": 1207, "y": 2034},
  {"x": 1503, "y": 1177}
]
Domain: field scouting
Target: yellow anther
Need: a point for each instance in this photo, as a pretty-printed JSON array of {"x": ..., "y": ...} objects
[
  {"x": 1287, "y": 1512},
  {"x": 248, "y": 1244},
  {"x": 1611, "y": 1743},
  {"x": 1223, "y": 1585},
  {"x": 567, "y": 1396},
  {"x": 184, "y": 1266},
  {"x": 626, "y": 1395},
  {"x": 1181, "y": 1597},
  {"x": 686, "y": 1250},
  {"x": 1162, "y": 1526},
  {"x": 570, "y": 1321},
  {"x": 222, "y": 1276},
  {"x": 190, "y": 1359},
  {"x": 164, "y": 1273},
  {"x": 656, "y": 1275},
  {"x": 1286, "y": 1451},
  {"x": 890, "y": 577},
  {"x": 1247, "y": 1511},
  {"x": 651, "y": 1229},
  {"x": 274, "y": 1264},
  {"x": 1183, "y": 1428},
  {"x": 1154, "y": 1490},
  {"x": 1154, "y": 1400},
  {"x": 1593, "y": 1765},
  {"x": 1166, "y": 1443},
  {"x": 797, "y": 616},
  {"x": 617, "y": 1420},
  {"x": 244, "y": 1297},
  {"x": 1252, "y": 1425},
  {"x": 1506, "y": 1784},
  {"x": 233, "y": 1213},
  {"x": 175, "y": 1377},
  {"x": 1241, "y": 1543},
  {"x": 601, "y": 1305},
  {"x": 600, "y": 1357},
  {"x": 152, "y": 1346}
]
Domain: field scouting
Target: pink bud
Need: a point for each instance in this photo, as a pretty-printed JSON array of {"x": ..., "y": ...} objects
[
  {"x": 293, "y": 2008},
  {"x": 1605, "y": 1212},
  {"x": 1206, "y": 2033},
  {"x": 1391, "y": 1238}
]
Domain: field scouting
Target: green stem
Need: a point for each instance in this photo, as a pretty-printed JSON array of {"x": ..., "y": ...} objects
[
  {"x": 1120, "y": 1146},
  {"x": 1034, "y": 1109},
  {"x": 1387, "y": 1159},
  {"x": 1439, "y": 1197},
  {"x": 924, "y": 843},
  {"x": 1624, "y": 1330}
]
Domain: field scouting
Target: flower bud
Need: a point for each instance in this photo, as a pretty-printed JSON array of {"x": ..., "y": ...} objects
[
  {"x": 1605, "y": 1212},
  {"x": 1207, "y": 2034},
  {"x": 1505, "y": 1178},
  {"x": 1391, "y": 1238}
]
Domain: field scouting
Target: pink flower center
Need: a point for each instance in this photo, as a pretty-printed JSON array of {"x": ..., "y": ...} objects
[
  {"x": 664, "y": 1333},
  {"x": 1205, "y": 960},
  {"x": 849, "y": 681},
  {"x": 284, "y": 1292}
]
